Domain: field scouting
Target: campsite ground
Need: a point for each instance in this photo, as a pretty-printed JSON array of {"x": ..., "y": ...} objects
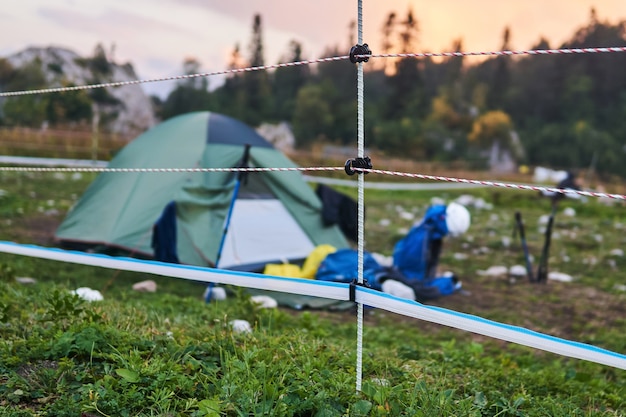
[
  {"x": 156, "y": 353},
  {"x": 581, "y": 247}
]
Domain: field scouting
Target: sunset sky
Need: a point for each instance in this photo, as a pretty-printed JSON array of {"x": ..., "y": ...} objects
[{"x": 157, "y": 35}]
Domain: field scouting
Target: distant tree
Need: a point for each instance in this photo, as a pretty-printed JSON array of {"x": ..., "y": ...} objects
[
  {"x": 7, "y": 72},
  {"x": 500, "y": 80},
  {"x": 313, "y": 118},
  {"x": 256, "y": 84},
  {"x": 491, "y": 127},
  {"x": 231, "y": 95},
  {"x": 190, "y": 94},
  {"x": 409, "y": 33},
  {"x": 387, "y": 45},
  {"x": 99, "y": 62},
  {"x": 69, "y": 106},
  {"x": 338, "y": 84},
  {"x": 287, "y": 81},
  {"x": 27, "y": 110}
]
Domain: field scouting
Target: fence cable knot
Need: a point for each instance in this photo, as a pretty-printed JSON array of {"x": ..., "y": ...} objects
[
  {"x": 359, "y": 163},
  {"x": 358, "y": 52}
]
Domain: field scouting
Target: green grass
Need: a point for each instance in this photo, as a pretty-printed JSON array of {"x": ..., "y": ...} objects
[{"x": 169, "y": 354}]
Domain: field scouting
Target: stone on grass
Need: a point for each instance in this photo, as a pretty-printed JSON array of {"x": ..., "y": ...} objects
[
  {"x": 145, "y": 286},
  {"x": 517, "y": 271},
  {"x": 570, "y": 212},
  {"x": 544, "y": 219},
  {"x": 88, "y": 294},
  {"x": 26, "y": 280},
  {"x": 460, "y": 256},
  {"x": 217, "y": 293},
  {"x": 560, "y": 276},
  {"x": 407, "y": 215},
  {"x": 264, "y": 301},
  {"x": 494, "y": 271},
  {"x": 617, "y": 252},
  {"x": 241, "y": 326}
]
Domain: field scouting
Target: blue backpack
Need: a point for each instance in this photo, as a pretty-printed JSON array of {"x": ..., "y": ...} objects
[
  {"x": 343, "y": 266},
  {"x": 415, "y": 261},
  {"x": 416, "y": 256}
]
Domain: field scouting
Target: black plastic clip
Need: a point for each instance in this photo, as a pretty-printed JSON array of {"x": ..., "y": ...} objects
[
  {"x": 353, "y": 286},
  {"x": 362, "y": 163},
  {"x": 357, "y": 52}
]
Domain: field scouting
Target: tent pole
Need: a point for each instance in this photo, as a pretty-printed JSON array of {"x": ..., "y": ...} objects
[{"x": 241, "y": 176}]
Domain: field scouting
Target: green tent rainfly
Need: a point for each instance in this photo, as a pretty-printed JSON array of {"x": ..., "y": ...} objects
[{"x": 276, "y": 217}]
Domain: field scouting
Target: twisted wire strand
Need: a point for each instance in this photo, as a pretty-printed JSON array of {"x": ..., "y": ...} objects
[
  {"x": 487, "y": 183},
  {"x": 172, "y": 78}
]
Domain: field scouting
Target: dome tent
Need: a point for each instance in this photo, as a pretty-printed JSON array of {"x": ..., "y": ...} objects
[{"x": 276, "y": 217}]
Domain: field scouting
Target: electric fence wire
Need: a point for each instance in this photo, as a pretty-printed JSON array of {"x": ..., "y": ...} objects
[{"x": 484, "y": 183}]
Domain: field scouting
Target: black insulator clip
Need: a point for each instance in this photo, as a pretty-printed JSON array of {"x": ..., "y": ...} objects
[
  {"x": 353, "y": 286},
  {"x": 357, "y": 52},
  {"x": 361, "y": 163}
]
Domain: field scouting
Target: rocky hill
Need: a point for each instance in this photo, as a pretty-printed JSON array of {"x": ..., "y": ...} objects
[{"x": 126, "y": 110}]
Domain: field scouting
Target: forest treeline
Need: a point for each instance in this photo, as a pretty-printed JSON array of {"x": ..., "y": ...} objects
[{"x": 563, "y": 110}]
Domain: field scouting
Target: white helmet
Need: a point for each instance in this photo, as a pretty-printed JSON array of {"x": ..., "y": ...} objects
[{"x": 457, "y": 219}]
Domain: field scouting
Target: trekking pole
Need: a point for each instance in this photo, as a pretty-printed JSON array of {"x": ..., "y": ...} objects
[
  {"x": 542, "y": 269},
  {"x": 520, "y": 227},
  {"x": 241, "y": 176}
]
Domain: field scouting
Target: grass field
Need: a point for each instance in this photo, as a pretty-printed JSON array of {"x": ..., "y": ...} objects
[{"x": 169, "y": 354}]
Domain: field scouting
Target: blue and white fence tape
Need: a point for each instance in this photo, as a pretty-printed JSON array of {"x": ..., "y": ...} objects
[{"x": 335, "y": 291}]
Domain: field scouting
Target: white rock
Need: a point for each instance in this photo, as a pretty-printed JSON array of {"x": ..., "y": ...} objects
[
  {"x": 460, "y": 256},
  {"x": 517, "y": 271},
  {"x": 145, "y": 286},
  {"x": 407, "y": 215},
  {"x": 506, "y": 241},
  {"x": 26, "y": 280},
  {"x": 217, "y": 293},
  {"x": 570, "y": 212},
  {"x": 620, "y": 287},
  {"x": 241, "y": 326},
  {"x": 617, "y": 252},
  {"x": 494, "y": 271},
  {"x": 264, "y": 301},
  {"x": 559, "y": 276},
  {"x": 280, "y": 135},
  {"x": 398, "y": 289},
  {"x": 544, "y": 219},
  {"x": 384, "y": 222},
  {"x": 88, "y": 294}
]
